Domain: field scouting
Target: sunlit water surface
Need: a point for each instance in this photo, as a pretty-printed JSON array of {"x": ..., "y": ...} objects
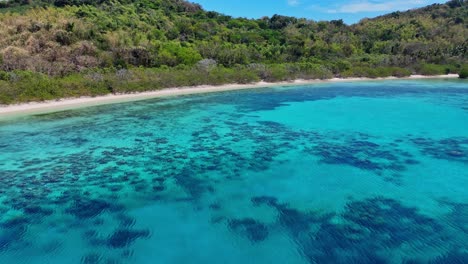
[{"x": 363, "y": 172}]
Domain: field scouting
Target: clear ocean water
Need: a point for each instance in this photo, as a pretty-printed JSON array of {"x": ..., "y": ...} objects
[{"x": 360, "y": 172}]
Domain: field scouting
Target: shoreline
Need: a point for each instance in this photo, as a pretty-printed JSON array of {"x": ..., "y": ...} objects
[{"x": 25, "y": 109}]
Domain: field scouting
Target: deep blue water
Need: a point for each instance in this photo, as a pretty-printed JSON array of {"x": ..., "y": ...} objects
[{"x": 363, "y": 172}]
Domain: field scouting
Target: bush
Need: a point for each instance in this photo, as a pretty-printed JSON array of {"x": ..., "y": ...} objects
[
  {"x": 206, "y": 65},
  {"x": 463, "y": 74},
  {"x": 379, "y": 72},
  {"x": 244, "y": 76},
  {"x": 360, "y": 72},
  {"x": 400, "y": 72},
  {"x": 4, "y": 76},
  {"x": 310, "y": 71},
  {"x": 434, "y": 69},
  {"x": 277, "y": 72},
  {"x": 392, "y": 71}
]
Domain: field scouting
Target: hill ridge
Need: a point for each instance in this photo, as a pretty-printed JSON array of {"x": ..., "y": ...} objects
[{"x": 95, "y": 37}]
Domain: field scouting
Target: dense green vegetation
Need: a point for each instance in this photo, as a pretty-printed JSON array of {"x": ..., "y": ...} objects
[
  {"x": 59, "y": 48},
  {"x": 464, "y": 72}
]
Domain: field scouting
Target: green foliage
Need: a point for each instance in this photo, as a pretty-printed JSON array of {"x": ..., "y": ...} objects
[
  {"x": 278, "y": 72},
  {"x": 464, "y": 72},
  {"x": 173, "y": 54},
  {"x": 400, "y": 72},
  {"x": 175, "y": 32},
  {"x": 4, "y": 76},
  {"x": 64, "y": 48},
  {"x": 378, "y": 72},
  {"x": 433, "y": 69}
]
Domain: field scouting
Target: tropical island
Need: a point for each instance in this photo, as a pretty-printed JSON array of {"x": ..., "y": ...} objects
[
  {"x": 53, "y": 49},
  {"x": 352, "y": 148}
]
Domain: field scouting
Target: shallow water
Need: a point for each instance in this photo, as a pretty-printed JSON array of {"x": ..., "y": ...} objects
[{"x": 363, "y": 172}]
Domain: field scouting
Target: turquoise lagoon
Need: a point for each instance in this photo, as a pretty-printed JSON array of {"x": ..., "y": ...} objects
[{"x": 359, "y": 172}]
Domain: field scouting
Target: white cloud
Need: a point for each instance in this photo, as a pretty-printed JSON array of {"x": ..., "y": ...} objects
[
  {"x": 293, "y": 2},
  {"x": 376, "y": 6}
]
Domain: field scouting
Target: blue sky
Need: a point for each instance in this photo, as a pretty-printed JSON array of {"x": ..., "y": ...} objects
[{"x": 350, "y": 11}]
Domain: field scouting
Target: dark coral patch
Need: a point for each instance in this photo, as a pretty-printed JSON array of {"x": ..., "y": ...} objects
[
  {"x": 294, "y": 220},
  {"x": 38, "y": 211},
  {"x": 268, "y": 200},
  {"x": 366, "y": 227},
  {"x": 126, "y": 221},
  {"x": 12, "y": 236},
  {"x": 215, "y": 206},
  {"x": 362, "y": 154},
  {"x": 92, "y": 258},
  {"x": 455, "y": 149},
  {"x": 161, "y": 140},
  {"x": 191, "y": 184},
  {"x": 255, "y": 231},
  {"x": 125, "y": 237},
  {"x": 452, "y": 257},
  {"x": 158, "y": 188},
  {"x": 88, "y": 208},
  {"x": 389, "y": 221},
  {"x": 16, "y": 222}
]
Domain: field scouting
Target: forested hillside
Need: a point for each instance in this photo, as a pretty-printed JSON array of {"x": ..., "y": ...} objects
[{"x": 95, "y": 46}]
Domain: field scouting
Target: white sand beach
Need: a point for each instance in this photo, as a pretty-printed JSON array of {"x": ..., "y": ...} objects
[{"x": 16, "y": 110}]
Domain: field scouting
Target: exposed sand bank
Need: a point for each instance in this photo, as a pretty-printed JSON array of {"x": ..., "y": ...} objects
[{"x": 16, "y": 110}]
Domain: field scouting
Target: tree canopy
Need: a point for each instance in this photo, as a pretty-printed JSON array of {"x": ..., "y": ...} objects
[
  {"x": 59, "y": 38},
  {"x": 65, "y": 36}
]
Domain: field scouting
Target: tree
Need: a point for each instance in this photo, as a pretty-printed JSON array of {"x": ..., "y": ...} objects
[{"x": 464, "y": 72}]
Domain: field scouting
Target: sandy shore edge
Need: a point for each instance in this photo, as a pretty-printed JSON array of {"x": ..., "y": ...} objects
[{"x": 16, "y": 110}]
